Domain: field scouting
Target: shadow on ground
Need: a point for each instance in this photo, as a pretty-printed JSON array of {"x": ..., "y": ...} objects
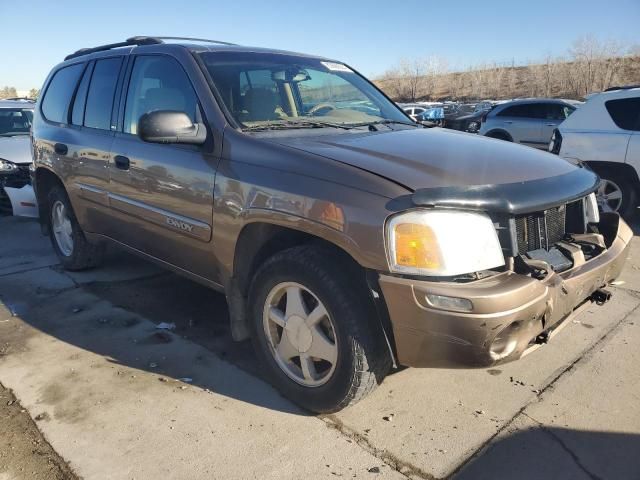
[
  {"x": 557, "y": 453},
  {"x": 106, "y": 317}
]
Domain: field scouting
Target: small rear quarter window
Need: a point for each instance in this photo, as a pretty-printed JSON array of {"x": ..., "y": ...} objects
[
  {"x": 625, "y": 112},
  {"x": 55, "y": 103}
]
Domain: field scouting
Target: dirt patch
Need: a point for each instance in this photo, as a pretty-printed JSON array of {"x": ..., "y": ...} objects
[{"x": 24, "y": 453}]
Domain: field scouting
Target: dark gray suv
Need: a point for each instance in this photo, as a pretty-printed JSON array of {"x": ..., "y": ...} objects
[{"x": 346, "y": 238}]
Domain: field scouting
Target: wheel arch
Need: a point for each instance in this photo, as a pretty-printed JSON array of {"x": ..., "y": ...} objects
[
  {"x": 499, "y": 133},
  {"x": 44, "y": 180},
  {"x": 260, "y": 240},
  {"x": 625, "y": 169}
]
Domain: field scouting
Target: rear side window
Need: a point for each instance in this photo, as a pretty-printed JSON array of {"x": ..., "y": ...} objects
[
  {"x": 625, "y": 113},
  {"x": 101, "y": 92},
  {"x": 59, "y": 92}
]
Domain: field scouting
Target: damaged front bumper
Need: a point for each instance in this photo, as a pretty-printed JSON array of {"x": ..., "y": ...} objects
[
  {"x": 17, "y": 196},
  {"x": 511, "y": 314}
]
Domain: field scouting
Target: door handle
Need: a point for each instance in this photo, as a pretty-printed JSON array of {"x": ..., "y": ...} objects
[
  {"x": 508, "y": 121},
  {"x": 121, "y": 162},
  {"x": 551, "y": 124},
  {"x": 60, "y": 149}
]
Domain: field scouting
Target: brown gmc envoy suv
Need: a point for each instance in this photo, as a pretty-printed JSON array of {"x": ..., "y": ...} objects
[{"x": 346, "y": 238}]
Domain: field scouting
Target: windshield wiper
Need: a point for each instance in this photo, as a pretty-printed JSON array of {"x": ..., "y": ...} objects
[
  {"x": 290, "y": 124},
  {"x": 386, "y": 122}
]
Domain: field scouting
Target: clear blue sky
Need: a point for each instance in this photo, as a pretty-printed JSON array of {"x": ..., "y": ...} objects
[{"x": 370, "y": 35}]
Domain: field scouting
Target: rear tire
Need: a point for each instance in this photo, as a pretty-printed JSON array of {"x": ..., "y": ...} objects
[
  {"x": 74, "y": 251},
  {"x": 360, "y": 358}
]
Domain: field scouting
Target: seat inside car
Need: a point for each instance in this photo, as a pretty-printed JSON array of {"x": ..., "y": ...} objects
[{"x": 261, "y": 104}]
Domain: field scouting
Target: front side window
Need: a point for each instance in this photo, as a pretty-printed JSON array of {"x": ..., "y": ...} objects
[
  {"x": 262, "y": 89},
  {"x": 557, "y": 111},
  {"x": 56, "y": 100},
  {"x": 15, "y": 121},
  {"x": 625, "y": 112},
  {"x": 157, "y": 83},
  {"x": 101, "y": 92}
]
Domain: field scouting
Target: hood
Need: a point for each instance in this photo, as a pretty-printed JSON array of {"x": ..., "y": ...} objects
[
  {"x": 16, "y": 149},
  {"x": 432, "y": 158}
]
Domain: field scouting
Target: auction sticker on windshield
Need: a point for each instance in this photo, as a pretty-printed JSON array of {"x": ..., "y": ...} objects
[{"x": 336, "y": 67}]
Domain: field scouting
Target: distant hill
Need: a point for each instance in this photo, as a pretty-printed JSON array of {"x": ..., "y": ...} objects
[{"x": 559, "y": 79}]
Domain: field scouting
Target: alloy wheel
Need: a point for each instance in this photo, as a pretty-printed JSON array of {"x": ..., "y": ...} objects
[
  {"x": 609, "y": 196},
  {"x": 301, "y": 334},
  {"x": 62, "y": 229}
]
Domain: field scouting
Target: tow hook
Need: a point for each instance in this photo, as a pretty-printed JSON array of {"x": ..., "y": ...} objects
[{"x": 601, "y": 296}]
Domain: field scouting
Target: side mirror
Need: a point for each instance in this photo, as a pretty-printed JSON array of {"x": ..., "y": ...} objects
[{"x": 168, "y": 126}]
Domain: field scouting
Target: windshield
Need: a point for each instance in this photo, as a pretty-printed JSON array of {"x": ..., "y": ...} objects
[
  {"x": 15, "y": 121},
  {"x": 262, "y": 90}
]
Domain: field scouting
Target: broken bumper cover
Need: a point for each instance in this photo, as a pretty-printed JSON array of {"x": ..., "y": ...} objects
[
  {"x": 509, "y": 311},
  {"x": 22, "y": 201}
]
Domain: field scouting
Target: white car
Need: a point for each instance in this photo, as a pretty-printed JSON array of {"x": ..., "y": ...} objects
[
  {"x": 604, "y": 133},
  {"x": 16, "y": 192},
  {"x": 413, "y": 110}
]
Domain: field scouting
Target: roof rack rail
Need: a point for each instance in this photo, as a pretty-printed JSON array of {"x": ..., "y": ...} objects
[
  {"x": 18, "y": 99},
  {"x": 127, "y": 43},
  {"x": 197, "y": 40},
  {"x": 623, "y": 87}
]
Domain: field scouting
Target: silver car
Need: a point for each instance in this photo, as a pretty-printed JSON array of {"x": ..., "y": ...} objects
[
  {"x": 16, "y": 193},
  {"x": 530, "y": 122}
]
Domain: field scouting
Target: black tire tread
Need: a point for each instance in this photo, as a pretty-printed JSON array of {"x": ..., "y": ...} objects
[
  {"x": 372, "y": 360},
  {"x": 85, "y": 254}
]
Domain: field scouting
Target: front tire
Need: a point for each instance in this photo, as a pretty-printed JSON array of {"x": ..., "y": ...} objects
[
  {"x": 314, "y": 329},
  {"x": 67, "y": 238}
]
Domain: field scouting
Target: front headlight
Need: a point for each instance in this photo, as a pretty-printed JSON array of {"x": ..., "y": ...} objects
[
  {"x": 7, "y": 167},
  {"x": 442, "y": 243}
]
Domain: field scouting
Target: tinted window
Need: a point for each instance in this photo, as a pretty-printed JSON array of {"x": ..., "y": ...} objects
[
  {"x": 557, "y": 111},
  {"x": 77, "y": 113},
  {"x": 157, "y": 83},
  {"x": 625, "y": 112},
  {"x": 101, "y": 92},
  {"x": 528, "y": 110},
  {"x": 58, "y": 94}
]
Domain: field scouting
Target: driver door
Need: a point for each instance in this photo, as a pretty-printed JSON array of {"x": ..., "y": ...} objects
[{"x": 161, "y": 195}]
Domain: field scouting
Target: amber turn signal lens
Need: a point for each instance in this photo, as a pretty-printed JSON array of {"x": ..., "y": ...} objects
[{"x": 416, "y": 246}]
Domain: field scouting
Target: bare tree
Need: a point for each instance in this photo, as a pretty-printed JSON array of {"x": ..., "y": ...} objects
[
  {"x": 591, "y": 65},
  {"x": 8, "y": 92},
  {"x": 595, "y": 62}
]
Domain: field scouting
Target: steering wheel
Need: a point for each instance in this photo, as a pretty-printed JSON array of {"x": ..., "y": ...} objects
[{"x": 324, "y": 107}]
